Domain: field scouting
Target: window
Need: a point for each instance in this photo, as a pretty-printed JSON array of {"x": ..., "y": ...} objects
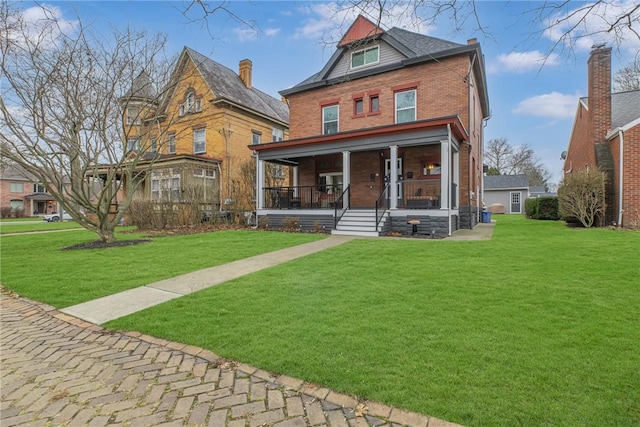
[
  {"x": 330, "y": 120},
  {"x": 374, "y": 104},
  {"x": 199, "y": 145},
  {"x": 16, "y": 187},
  {"x": 190, "y": 101},
  {"x": 365, "y": 57},
  {"x": 205, "y": 173},
  {"x": 331, "y": 183},
  {"x": 16, "y": 205},
  {"x": 153, "y": 146},
  {"x": 277, "y": 134},
  {"x": 406, "y": 106},
  {"x": 39, "y": 188},
  {"x": 255, "y": 137},
  {"x": 132, "y": 144},
  {"x": 278, "y": 171},
  {"x": 181, "y": 113},
  {"x": 198, "y": 105},
  {"x": 172, "y": 144},
  {"x": 358, "y": 106},
  {"x": 133, "y": 116},
  {"x": 165, "y": 187},
  {"x": 432, "y": 168}
]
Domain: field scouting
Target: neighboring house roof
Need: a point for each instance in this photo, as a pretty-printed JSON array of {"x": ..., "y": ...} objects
[
  {"x": 414, "y": 48},
  {"x": 625, "y": 108},
  {"x": 16, "y": 173},
  {"x": 142, "y": 87},
  {"x": 227, "y": 85},
  {"x": 505, "y": 182}
]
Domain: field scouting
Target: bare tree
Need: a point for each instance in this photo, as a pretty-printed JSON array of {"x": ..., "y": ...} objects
[
  {"x": 503, "y": 159},
  {"x": 628, "y": 78},
  {"x": 63, "y": 98},
  {"x": 581, "y": 196}
]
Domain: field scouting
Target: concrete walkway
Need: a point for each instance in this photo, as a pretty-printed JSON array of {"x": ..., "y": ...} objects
[{"x": 111, "y": 307}]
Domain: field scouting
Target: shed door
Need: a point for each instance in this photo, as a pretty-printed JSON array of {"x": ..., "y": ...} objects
[{"x": 516, "y": 202}]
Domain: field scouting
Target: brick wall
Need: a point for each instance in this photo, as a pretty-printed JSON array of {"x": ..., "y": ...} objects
[
  {"x": 631, "y": 199},
  {"x": 581, "y": 151},
  {"x": 441, "y": 91}
]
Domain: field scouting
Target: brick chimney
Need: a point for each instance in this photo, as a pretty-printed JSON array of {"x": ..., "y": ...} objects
[
  {"x": 472, "y": 41},
  {"x": 599, "y": 92},
  {"x": 245, "y": 72}
]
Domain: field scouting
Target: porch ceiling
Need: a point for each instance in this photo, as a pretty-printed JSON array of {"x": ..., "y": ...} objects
[{"x": 409, "y": 134}]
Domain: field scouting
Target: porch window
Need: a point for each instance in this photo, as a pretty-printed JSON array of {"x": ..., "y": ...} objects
[
  {"x": 199, "y": 145},
  {"x": 331, "y": 183},
  {"x": 172, "y": 144},
  {"x": 16, "y": 187},
  {"x": 365, "y": 57},
  {"x": 165, "y": 188},
  {"x": 330, "y": 120},
  {"x": 205, "y": 173},
  {"x": 406, "y": 106}
]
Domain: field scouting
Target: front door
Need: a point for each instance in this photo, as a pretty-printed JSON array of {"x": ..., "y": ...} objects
[
  {"x": 387, "y": 174},
  {"x": 516, "y": 202}
]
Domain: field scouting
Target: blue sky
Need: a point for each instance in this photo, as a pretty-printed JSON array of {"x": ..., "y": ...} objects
[{"x": 287, "y": 41}]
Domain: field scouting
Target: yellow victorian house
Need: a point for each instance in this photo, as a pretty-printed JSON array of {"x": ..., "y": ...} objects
[{"x": 197, "y": 135}]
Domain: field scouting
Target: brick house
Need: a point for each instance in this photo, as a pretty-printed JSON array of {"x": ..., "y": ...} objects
[
  {"x": 390, "y": 130},
  {"x": 606, "y": 135},
  {"x": 23, "y": 194},
  {"x": 197, "y": 135}
]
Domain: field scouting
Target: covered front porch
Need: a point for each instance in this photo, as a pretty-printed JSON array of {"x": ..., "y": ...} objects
[{"x": 376, "y": 179}]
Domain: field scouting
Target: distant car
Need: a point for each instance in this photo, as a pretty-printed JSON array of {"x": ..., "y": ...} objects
[{"x": 55, "y": 217}]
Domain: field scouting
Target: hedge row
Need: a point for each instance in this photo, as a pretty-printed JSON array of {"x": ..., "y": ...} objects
[{"x": 542, "y": 208}]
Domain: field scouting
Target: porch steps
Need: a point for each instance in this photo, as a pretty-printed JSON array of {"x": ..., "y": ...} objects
[{"x": 358, "y": 222}]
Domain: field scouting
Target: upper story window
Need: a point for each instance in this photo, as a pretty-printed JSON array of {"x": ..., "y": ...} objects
[
  {"x": 366, "y": 56},
  {"x": 171, "y": 143},
  {"x": 132, "y": 145},
  {"x": 374, "y": 104},
  {"x": 191, "y": 103},
  {"x": 277, "y": 134},
  {"x": 330, "y": 119},
  {"x": 133, "y": 116},
  {"x": 358, "y": 106},
  {"x": 406, "y": 106},
  {"x": 199, "y": 145},
  {"x": 16, "y": 187},
  {"x": 153, "y": 146},
  {"x": 255, "y": 137},
  {"x": 39, "y": 188}
]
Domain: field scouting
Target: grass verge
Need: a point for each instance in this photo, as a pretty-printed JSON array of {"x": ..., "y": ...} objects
[
  {"x": 31, "y": 226},
  {"x": 538, "y": 326}
]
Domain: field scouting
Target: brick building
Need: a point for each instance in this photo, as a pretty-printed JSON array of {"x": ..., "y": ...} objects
[
  {"x": 23, "y": 194},
  {"x": 606, "y": 135},
  {"x": 390, "y": 130}
]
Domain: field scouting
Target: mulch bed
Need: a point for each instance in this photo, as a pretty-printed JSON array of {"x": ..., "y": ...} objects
[{"x": 98, "y": 244}]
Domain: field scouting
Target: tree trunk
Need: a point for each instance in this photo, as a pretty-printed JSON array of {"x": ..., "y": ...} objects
[{"x": 106, "y": 236}]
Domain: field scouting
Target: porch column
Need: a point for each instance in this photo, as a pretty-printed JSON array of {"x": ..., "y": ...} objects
[
  {"x": 260, "y": 184},
  {"x": 294, "y": 172},
  {"x": 393, "y": 179},
  {"x": 346, "y": 176},
  {"x": 456, "y": 176},
  {"x": 445, "y": 174}
]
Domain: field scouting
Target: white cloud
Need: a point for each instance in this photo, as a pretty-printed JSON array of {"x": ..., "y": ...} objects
[
  {"x": 590, "y": 24},
  {"x": 43, "y": 24},
  {"x": 269, "y": 32},
  {"x": 328, "y": 22},
  {"x": 522, "y": 62},
  {"x": 245, "y": 34},
  {"x": 554, "y": 105}
]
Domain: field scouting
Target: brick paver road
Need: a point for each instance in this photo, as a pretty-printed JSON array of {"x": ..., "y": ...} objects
[{"x": 58, "y": 370}]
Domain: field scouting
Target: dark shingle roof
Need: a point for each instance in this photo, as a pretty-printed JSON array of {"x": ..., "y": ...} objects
[
  {"x": 503, "y": 182},
  {"x": 226, "y": 84},
  {"x": 421, "y": 44},
  {"x": 625, "y": 108}
]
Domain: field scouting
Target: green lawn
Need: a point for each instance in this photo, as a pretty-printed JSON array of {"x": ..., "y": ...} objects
[
  {"x": 538, "y": 327},
  {"x": 30, "y": 226},
  {"x": 34, "y": 266}
]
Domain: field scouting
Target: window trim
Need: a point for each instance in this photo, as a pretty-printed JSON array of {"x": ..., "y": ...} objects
[
  {"x": 364, "y": 56},
  {"x": 204, "y": 141},
  {"x": 337, "y": 120},
  {"x": 415, "y": 105}
]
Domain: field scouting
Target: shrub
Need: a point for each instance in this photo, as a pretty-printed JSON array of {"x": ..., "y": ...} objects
[
  {"x": 542, "y": 208},
  {"x": 581, "y": 197},
  {"x": 291, "y": 223},
  {"x": 5, "y": 212}
]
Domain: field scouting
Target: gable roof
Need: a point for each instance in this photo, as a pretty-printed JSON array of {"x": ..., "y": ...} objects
[
  {"x": 414, "y": 47},
  {"x": 625, "y": 108},
  {"x": 360, "y": 29},
  {"x": 505, "y": 182},
  {"x": 227, "y": 86}
]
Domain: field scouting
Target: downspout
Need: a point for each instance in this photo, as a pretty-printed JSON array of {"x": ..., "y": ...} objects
[
  {"x": 621, "y": 142},
  {"x": 450, "y": 173}
]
